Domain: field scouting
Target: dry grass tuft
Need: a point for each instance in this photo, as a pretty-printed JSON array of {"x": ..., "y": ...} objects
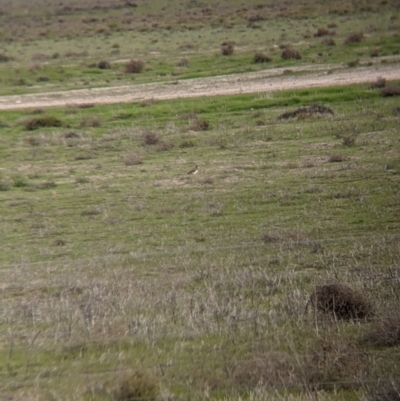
[
  {"x": 132, "y": 160},
  {"x": 314, "y": 109},
  {"x": 90, "y": 122},
  {"x": 136, "y": 386},
  {"x": 273, "y": 370},
  {"x": 103, "y": 65},
  {"x": 379, "y": 83},
  {"x": 199, "y": 124},
  {"x": 227, "y": 48},
  {"x": 321, "y": 32},
  {"x": 384, "y": 332},
  {"x": 42, "y": 122},
  {"x": 329, "y": 42},
  {"x": 355, "y": 37},
  {"x": 336, "y": 158},
  {"x": 150, "y": 138},
  {"x": 333, "y": 364},
  {"x": 261, "y": 58},
  {"x": 183, "y": 62},
  {"x": 290, "y": 53},
  {"x": 384, "y": 390},
  {"x": 390, "y": 90},
  {"x": 134, "y": 67},
  {"x": 340, "y": 301}
]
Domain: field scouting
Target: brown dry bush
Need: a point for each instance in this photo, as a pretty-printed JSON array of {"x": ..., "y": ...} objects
[
  {"x": 333, "y": 363},
  {"x": 90, "y": 122},
  {"x": 132, "y": 160},
  {"x": 355, "y": 37},
  {"x": 390, "y": 90},
  {"x": 379, "y": 83},
  {"x": 199, "y": 124},
  {"x": 136, "y": 386},
  {"x": 313, "y": 109},
  {"x": 134, "y": 67},
  {"x": 290, "y": 53},
  {"x": 150, "y": 138},
  {"x": 4, "y": 58},
  {"x": 187, "y": 144},
  {"x": 336, "y": 158},
  {"x": 340, "y": 301},
  {"x": 227, "y": 48},
  {"x": 384, "y": 332},
  {"x": 41, "y": 122},
  {"x": 329, "y": 42},
  {"x": 321, "y": 32},
  {"x": 164, "y": 146},
  {"x": 103, "y": 65},
  {"x": 261, "y": 58},
  {"x": 183, "y": 62}
]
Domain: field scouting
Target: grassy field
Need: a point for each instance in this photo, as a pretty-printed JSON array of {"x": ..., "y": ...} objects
[
  {"x": 114, "y": 259},
  {"x": 124, "y": 278},
  {"x": 56, "y": 46}
]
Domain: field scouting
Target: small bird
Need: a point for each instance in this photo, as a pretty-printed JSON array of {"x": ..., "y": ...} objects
[{"x": 194, "y": 170}]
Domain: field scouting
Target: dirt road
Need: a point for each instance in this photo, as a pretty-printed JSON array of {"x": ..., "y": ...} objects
[{"x": 259, "y": 82}]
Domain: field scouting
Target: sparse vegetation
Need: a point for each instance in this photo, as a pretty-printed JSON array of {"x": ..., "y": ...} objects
[
  {"x": 290, "y": 53},
  {"x": 134, "y": 67},
  {"x": 44, "y": 121},
  {"x": 227, "y": 48},
  {"x": 355, "y": 37},
  {"x": 261, "y": 58}
]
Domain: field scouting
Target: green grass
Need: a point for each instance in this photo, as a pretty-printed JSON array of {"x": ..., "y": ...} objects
[{"x": 107, "y": 267}]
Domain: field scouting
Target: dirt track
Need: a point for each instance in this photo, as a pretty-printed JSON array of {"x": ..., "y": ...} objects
[{"x": 264, "y": 81}]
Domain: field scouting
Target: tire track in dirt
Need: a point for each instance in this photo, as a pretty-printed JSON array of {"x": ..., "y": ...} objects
[{"x": 259, "y": 82}]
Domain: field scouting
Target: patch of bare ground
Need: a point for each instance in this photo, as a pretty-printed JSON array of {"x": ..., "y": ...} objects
[{"x": 263, "y": 81}]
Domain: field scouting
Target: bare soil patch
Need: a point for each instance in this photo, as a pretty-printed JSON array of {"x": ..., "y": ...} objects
[{"x": 271, "y": 80}]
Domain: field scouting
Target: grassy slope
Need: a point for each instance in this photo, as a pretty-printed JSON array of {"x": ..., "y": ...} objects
[{"x": 106, "y": 266}]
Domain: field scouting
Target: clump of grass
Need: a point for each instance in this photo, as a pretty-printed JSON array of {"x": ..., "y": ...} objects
[
  {"x": 150, "y": 138},
  {"x": 132, "y": 160},
  {"x": 384, "y": 390},
  {"x": 333, "y": 363},
  {"x": 321, "y": 32},
  {"x": 19, "y": 180},
  {"x": 134, "y": 67},
  {"x": 356, "y": 37},
  {"x": 187, "y": 144},
  {"x": 136, "y": 386},
  {"x": 33, "y": 141},
  {"x": 336, "y": 158},
  {"x": 384, "y": 332},
  {"x": 227, "y": 48},
  {"x": 329, "y": 42},
  {"x": 164, "y": 146},
  {"x": 104, "y": 65},
  {"x": 42, "y": 122},
  {"x": 353, "y": 63},
  {"x": 390, "y": 90},
  {"x": 90, "y": 122},
  {"x": 313, "y": 109},
  {"x": 289, "y": 53},
  {"x": 340, "y": 301},
  {"x": 183, "y": 62},
  {"x": 379, "y": 83},
  {"x": 261, "y": 58},
  {"x": 4, "y": 185},
  {"x": 46, "y": 185},
  {"x": 199, "y": 124}
]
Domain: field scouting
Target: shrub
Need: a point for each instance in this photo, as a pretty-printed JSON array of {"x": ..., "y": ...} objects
[
  {"x": 136, "y": 386},
  {"x": 379, "y": 83},
  {"x": 313, "y": 109},
  {"x": 198, "y": 124},
  {"x": 41, "y": 122},
  {"x": 132, "y": 160},
  {"x": 336, "y": 158},
  {"x": 187, "y": 144},
  {"x": 340, "y": 301},
  {"x": 321, "y": 32},
  {"x": 227, "y": 48},
  {"x": 329, "y": 42},
  {"x": 356, "y": 37},
  {"x": 134, "y": 67},
  {"x": 104, "y": 65},
  {"x": 150, "y": 138},
  {"x": 90, "y": 122},
  {"x": 183, "y": 62},
  {"x": 261, "y": 58},
  {"x": 290, "y": 53},
  {"x": 390, "y": 90}
]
